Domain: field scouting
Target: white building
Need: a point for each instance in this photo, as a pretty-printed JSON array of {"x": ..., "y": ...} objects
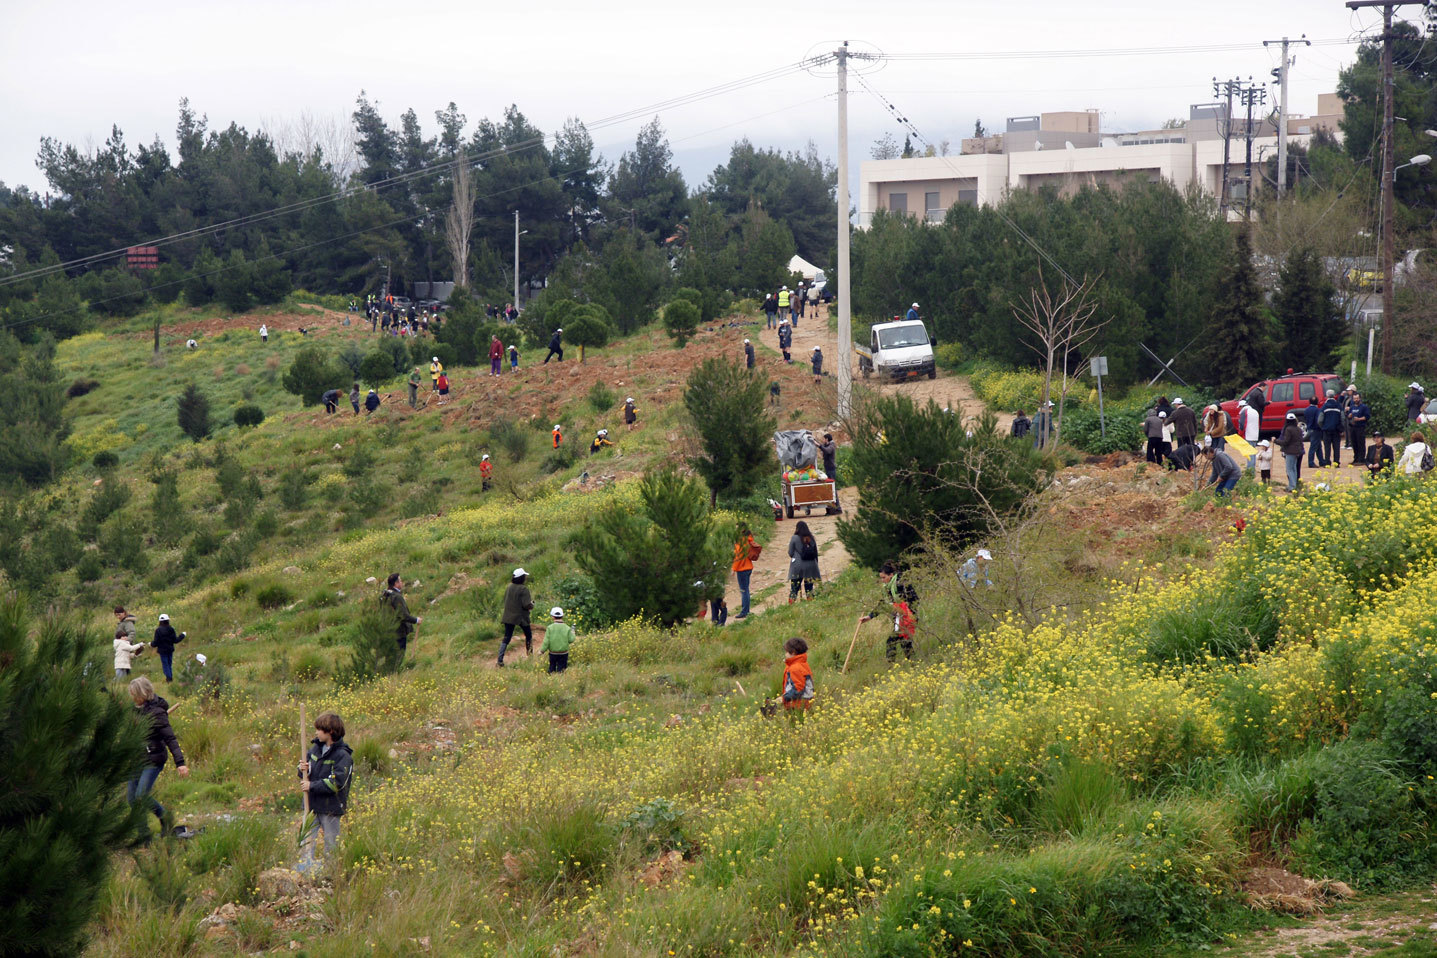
[{"x": 1069, "y": 151}]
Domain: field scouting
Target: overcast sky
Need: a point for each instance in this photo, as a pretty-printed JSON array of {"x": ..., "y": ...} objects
[{"x": 70, "y": 70}]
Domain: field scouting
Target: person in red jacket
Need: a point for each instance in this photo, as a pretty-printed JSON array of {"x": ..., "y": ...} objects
[
  {"x": 797, "y": 676},
  {"x": 558, "y": 435},
  {"x": 496, "y": 356},
  {"x": 904, "y": 627},
  {"x": 486, "y": 473}
]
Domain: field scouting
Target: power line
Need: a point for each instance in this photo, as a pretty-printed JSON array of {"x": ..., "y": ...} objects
[{"x": 1088, "y": 53}]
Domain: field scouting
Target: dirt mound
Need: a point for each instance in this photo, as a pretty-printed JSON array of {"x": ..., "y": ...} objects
[{"x": 1276, "y": 889}]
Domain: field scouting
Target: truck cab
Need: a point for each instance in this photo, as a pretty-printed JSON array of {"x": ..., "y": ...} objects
[{"x": 901, "y": 349}]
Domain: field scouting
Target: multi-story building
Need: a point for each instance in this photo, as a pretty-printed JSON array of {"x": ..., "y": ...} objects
[{"x": 1070, "y": 151}]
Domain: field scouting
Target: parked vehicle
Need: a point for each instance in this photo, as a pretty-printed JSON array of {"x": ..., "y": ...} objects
[
  {"x": 1291, "y": 393},
  {"x": 901, "y": 349}
]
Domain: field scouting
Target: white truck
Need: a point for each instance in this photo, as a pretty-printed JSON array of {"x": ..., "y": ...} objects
[{"x": 901, "y": 349}]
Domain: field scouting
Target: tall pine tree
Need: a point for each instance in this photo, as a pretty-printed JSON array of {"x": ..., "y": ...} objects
[
  {"x": 1239, "y": 338},
  {"x": 1306, "y": 306}
]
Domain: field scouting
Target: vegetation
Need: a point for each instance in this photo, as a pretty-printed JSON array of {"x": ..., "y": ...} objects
[
  {"x": 727, "y": 404},
  {"x": 194, "y": 413}
]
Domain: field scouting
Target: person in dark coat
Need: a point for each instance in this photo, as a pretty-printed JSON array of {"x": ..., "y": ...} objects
[
  {"x": 1021, "y": 425},
  {"x": 556, "y": 345},
  {"x": 817, "y": 364},
  {"x": 1290, "y": 442},
  {"x": 404, "y": 623},
  {"x": 164, "y": 643},
  {"x": 517, "y": 605},
  {"x": 1312, "y": 417},
  {"x": 1379, "y": 456},
  {"x": 1416, "y": 401},
  {"x": 326, "y": 774},
  {"x": 161, "y": 737},
  {"x": 829, "y": 450},
  {"x": 1257, "y": 398},
  {"x": 1330, "y": 419},
  {"x": 1358, "y": 413},
  {"x": 331, "y": 400},
  {"x": 785, "y": 340},
  {"x": 354, "y": 398},
  {"x": 748, "y": 353},
  {"x": 1184, "y": 422},
  {"x": 802, "y": 562},
  {"x": 1225, "y": 472},
  {"x": 1164, "y": 407},
  {"x": 1183, "y": 456},
  {"x": 371, "y": 402}
]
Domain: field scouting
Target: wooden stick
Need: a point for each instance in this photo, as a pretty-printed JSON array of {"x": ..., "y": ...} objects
[
  {"x": 302, "y": 749},
  {"x": 851, "y": 644},
  {"x": 740, "y": 688}
]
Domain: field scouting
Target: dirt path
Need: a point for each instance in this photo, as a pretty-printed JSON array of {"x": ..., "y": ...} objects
[{"x": 769, "y": 585}]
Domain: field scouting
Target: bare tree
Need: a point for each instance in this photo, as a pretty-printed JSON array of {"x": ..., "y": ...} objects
[
  {"x": 1062, "y": 323},
  {"x": 459, "y": 222},
  {"x": 331, "y": 136}
]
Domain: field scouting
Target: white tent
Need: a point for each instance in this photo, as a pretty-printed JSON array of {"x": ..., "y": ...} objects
[{"x": 803, "y": 267}]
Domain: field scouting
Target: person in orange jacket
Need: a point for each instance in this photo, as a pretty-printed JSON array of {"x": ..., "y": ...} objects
[
  {"x": 558, "y": 435},
  {"x": 797, "y": 676},
  {"x": 904, "y": 627},
  {"x": 486, "y": 473},
  {"x": 743, "y": 567}
]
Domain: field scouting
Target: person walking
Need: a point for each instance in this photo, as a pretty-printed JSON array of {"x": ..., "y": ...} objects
[
  {"x": 1021, "y": 425},
  {"x": 1415, "y": 401},
  {"x": 496, "y": 356},
  {"x": 558, "y": 435},
  {"x": 1043, "y": 425},
  {"x": 354, "y": 397},
  {"x": 1414, "y": 456},
  {"x": 1214, "y": 427},
  {"x": 513, "y": 357},
  {"x": 785, "y": 340},
  {"x": 517, "y": 605},
  {"x": 1312, "y": 418},
  {"x": 743, "y": 556},
  {"x": 558, "y": 638},
  {"x": 164, "y": 644},
  {"x": 631, "y": 414},
  {"x": 263, "y": 333},
  {"x": 802, "y": 563},
  {"x": 1184, "y": 422},
  {"x": 159, "y": 739},
  {"x": 817, "y": 365},
  {"x": 748, "y": 356},
  {"x": 1225, "y": 472},
  {"x": 414, "y": 382},
  {"x": 486, "y": 473},
  {"x": 1290, "y": 442},
  {"x": 1331, "y": 422},
  {"x": 325, "y": 775},
  {"x": 1358, "y": 413},
  {"x": 404, "y": 622},
  {"x": 784, "y": 299},
  {"x": 1379, "y": 456},
  {"x": 1153, "y": 427},
  {"x": 556, "y": 346}
]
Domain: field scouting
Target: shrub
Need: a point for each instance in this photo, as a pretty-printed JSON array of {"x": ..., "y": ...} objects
[
  {"x": 377, "y": 368},
  {"x": 1005, "y": 390},
  {"x": 681, "y": 320},
  {"x": 360, "y": 462},
  {"x": 105, "y": 460},
  {"x": 208, "y": 682},
  {"x": 168, "y": 517},
  {"x": 564, "y": 847},
  {"x": 107, "y": 500},
  {"x": 273, "y": 596},
  {"x": 950, "y": 355},
  {"x": 309, "y": 666},
  {"x": 122, "y": 544},
  {"x": 312, "y": 373},
  {"x": 728, "y": 405},
  {"x": 583, "y": 607},
  {"x": 656, "y": 826},
  {"x": 90, "y": 567},
  {"x": 373, "y": 648},
  {"x": 61, "y": 824},
  {"x": 602, "y": 398},
  {"x": 294, "y": 488},
  {"x": 194, "y": 413},
  {"x": 248, "y": 415},
  {"x": 81, "y": 387},
  {"x": 510, "y": 437},
  {"x": 562, "y": 458}
]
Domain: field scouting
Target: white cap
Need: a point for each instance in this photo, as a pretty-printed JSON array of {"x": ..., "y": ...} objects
[
  {"x": 556, "y": 425},
  {"x": 559, "y": 330},
  {"x": 483, "y": 457},
  {"x": 603, "y": 432},
  {"x": 1264, "y": 443},
  {"x": 745, "y": 342},
  {"x": 1178, "y": 401},
  {"x": 435, "y": 359},
  {"x": 630, "y": 399},
  {"x": 915, "y": 305},
  {"x": 556, "y": 612},
  {"x": 164, "y": 617},
  {"x": 200, "y": 658},
  {"x": 1243, "y": 402},
  {"x": 984, "y": 554},
  {"x": 518, "y": 572},
  {"x": 1162, "y": 415},
  {"x": 1330, "y": 393},
  {"x": 1292, "y": 415},
  {"x": 816, "y": 349},
  {"x": 1413, "y": 386}
]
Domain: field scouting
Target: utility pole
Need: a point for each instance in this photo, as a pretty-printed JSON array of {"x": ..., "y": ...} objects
[
  {"x": 1250, "y": 95},
  {"x": 844, "y": 359},
  {"x": 1281, "y": 74},
  {"x": 1225, "y": 88},
  {"x": 516, "y": 259},
  {"x": 1388, "y": 166}
]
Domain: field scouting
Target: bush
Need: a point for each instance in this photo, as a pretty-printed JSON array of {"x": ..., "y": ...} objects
[
  {"x": 681, "y": 320},
  {"x": 107, "y": 500},
  {"x": 373, "y": 648},
  {"x": 273, "y": 596},
  {"x": 1007, "y": 390},
  {"x": 194, "y": 413},
  {"x": 248, "y": 415},
  {"x": 81, "y": 387},
  {"x": 950, "y": 355},
  {"x": 377, "y": 368},
  {"x": 729, "y": 406},
  {"x": 312, "y": 373},
  {"x": 655, "y": 827},
  {"x": 1387, "y": 398},
  {"x": 61, "y": 824},
  {"x": 90, "y": 567},
  {"x": 294, "y": 488},
  {"x": 105, "y": 460},
  {"x": 208, "y": 682},
  {"x": 583, "y": 607},
  {"x": 512, "y": 438},
  {"x": 562, "y": 458},
  {"x": 168, "y": 517},
  {"x": 602, "y": 398},
  {"x": 309, "y": 666}
]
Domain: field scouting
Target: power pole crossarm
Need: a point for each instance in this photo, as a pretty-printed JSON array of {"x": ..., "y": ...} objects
[{"x": 1282, "y": 72}]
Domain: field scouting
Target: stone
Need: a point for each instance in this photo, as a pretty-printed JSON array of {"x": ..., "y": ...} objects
[
  {"x": 280, "y": 883},
  {"x": 371, "y": 580},
  {"x": 291, "y": 570}
]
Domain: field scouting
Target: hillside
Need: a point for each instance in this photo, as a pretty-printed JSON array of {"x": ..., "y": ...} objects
[{"x": 1088, "y": 757}]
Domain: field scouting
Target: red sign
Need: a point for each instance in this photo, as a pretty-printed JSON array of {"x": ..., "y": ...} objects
[{"x": 142, "y": 257}]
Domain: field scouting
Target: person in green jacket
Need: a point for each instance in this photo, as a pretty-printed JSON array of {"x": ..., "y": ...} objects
[
  {"x": 557, "y": 639},
  {"x": 414, "y": 382}
]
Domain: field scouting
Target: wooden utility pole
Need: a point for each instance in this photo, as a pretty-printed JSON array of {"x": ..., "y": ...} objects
[{"x": 1389, "y": 166}]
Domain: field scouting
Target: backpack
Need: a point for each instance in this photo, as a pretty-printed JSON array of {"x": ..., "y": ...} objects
[
  {"x": 1427, "y": 461},
  {"x": 808, "y": 549}
]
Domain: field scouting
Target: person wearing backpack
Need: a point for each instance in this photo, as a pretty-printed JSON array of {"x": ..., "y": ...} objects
[
  {"x": 326, "y": 774},
  {"x": 1417, "y": 457},
  {"x": 743, "y": 556},
  {"x": 797, "y": 676},
  {"x": 393, "y": 598},
  {"x": 802, "y": 562},
  {"x": 1330, "y": 419}
]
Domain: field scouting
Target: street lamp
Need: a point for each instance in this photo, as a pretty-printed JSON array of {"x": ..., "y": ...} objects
[
  {"x": 1421, "y": 159},
  {"x": 517, "y": 233}
]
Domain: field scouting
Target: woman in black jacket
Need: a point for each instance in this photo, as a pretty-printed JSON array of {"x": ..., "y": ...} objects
[
  {"x": 155, "y": 711},
  {"x": 164, "y": 643}
]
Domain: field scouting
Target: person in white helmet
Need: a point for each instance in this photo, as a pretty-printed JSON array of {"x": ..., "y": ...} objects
[
  {"x": 486, "y": 473},
  {"x": 601, "y": 442},
  {"x": 435, "y": 368},
  {"x": 517, "y": 603},
  {"x": 556, "y": 345},
  {"x": 748, "y": 354},
  {"x": 558, "y": 637},
  {"x": 975, "y": 570},
  {"x": 912, "y": 313},
  {"x": 631, "y": 414}
]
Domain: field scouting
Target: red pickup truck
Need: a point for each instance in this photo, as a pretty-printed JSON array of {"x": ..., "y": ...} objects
[{"x": 1288, "y": 394}]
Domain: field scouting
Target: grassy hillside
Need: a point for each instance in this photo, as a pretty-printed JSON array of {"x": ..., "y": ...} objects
[{"x": 1097, "y": 782}]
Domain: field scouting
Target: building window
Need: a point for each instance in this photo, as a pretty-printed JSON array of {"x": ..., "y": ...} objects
[
  {"x": 968, "y": 197},
  {"x": 898, "y": 202},
  {"x": 931, "y": 210}
]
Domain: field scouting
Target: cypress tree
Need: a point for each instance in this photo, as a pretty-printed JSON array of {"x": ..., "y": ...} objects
[
  {"x": 68, "y": 745},
  {"x": 1306, "y": 307},
  {"x": 194, "y": 413},
  {"x": 1239, "y": 346}
]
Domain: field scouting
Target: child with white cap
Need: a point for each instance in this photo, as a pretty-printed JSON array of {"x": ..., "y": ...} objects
[
  {"x": 631, "y": 414},
  {"x": 1264, "y": 461},
  {"x": 558, "y": 636}
]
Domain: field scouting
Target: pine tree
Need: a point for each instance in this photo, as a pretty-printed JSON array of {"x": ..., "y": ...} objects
[
  {"x": 194, "y": 413},
  {"x": 68, "y": 745},
  {"x": 1306, "y": 308},
  {"x": 681, "y": 319},
  {"x": 728, "y": 405},
  {"x": 1239, "y": 340}
]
